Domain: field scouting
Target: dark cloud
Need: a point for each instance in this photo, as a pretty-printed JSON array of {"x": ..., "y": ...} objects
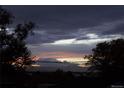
[
  {"x": 67, "y": 16},
  {"x": 103, "y": 30},
  {"x": 68, "y": 22},
  {"x": 117, "y": 30},
  {"x": 49, "y": 36}
]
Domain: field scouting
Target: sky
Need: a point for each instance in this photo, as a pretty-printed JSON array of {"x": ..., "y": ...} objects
[{"x": 64, "y": 32}]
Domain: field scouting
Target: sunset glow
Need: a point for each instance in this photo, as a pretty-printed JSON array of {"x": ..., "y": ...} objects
[
  {"x": 60, "y": 55},
  {"x": 35, "y": 65},
  {"x": 72, "y": 59},
  {"x": 61, "y": 45},
  {"x": 35, "y": 58}
]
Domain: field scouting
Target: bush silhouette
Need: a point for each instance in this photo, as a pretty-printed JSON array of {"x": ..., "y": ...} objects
[
  {"x": 108, "y": 59},
  {"x": 14, "y": 54}
]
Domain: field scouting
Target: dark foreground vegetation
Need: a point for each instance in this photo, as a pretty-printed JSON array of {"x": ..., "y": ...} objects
[
  {"x": 58, "y": 79},
  {"x": 106, "y": 62}
]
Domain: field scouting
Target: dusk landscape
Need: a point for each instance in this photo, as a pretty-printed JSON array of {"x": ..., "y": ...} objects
[{"x": 61, "y": 46}]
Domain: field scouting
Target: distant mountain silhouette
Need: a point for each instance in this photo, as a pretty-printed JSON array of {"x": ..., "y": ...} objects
[
  {"x": 50, "y": 66},
  {"x": 48, "y": 60}
]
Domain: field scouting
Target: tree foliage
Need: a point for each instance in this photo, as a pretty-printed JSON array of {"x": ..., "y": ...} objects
[
  {"x": 108, "y": 59},
  {"x": 13, "y": 50}
]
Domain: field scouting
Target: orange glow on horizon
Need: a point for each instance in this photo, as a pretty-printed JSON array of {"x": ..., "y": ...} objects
[
  {"x": 78, "y": 59},
  {"x": 61, "y": 56},
  {"x": 35, "y": 65},
  {"x": 35, "y": 58}
]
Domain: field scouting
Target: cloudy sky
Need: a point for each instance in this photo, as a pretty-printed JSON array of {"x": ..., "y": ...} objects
[{"x": 69, "y": 31}]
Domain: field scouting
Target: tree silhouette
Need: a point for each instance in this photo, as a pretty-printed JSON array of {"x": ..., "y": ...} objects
[
  {"x": 13, "y": 51},
  {"x": 108, "y": 59}
]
